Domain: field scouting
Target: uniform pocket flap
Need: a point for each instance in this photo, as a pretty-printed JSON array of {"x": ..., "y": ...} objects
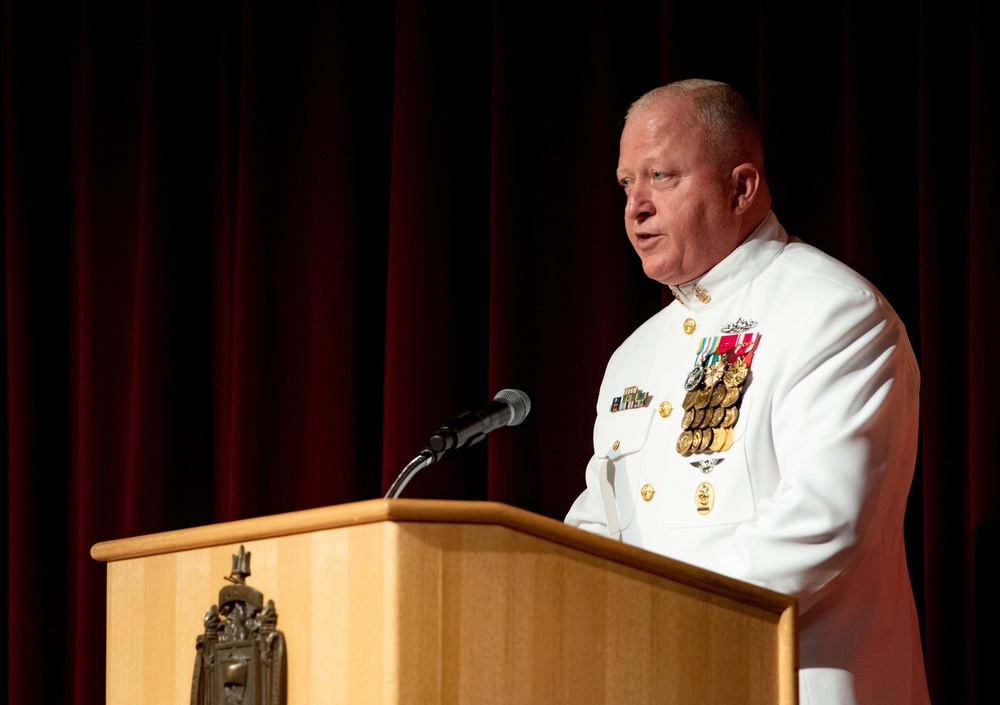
[{"x": 621, "y": 432}]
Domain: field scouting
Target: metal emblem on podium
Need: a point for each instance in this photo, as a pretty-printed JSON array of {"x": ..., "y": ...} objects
[{"x": 240, "y": 658}]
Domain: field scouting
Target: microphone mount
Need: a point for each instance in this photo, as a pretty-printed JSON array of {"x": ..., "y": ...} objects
[{"x": 508, "y": 408}]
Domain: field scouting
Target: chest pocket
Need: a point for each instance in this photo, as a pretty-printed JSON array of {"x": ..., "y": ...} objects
[
  {"x": 621, "y": 433},
  {"x": 620, "y": 437},
  {"x": 699, "y": 490}
]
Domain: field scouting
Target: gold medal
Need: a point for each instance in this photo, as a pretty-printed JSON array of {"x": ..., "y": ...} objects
[
  {"x": 730, "y": 434},
  {"x": 703, "y": 398},
  {"x": 687, "y": 420},
  {"x": 732, "y": 396},
  {"x": 684, "y": 443},
  {"x": 736, "y": 373},
  {"x": 706, "y": 440},
  {"x": 718, "y": 439},
  {"x": 718, "y": 395},
  {"x": 689, "y": 398},
  {"x": 732, "y": 414}
]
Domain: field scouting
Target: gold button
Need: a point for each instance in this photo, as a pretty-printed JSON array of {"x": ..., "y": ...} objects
[
  {"x": 615, "y": 446},
  {"x": 689, "y": 326},
  {"x": 665, "y": 408},
  {"x": 647, "y": 492}
]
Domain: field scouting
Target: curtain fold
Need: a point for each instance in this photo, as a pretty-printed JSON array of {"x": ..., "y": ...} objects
[{"x": 254, "y": 256}]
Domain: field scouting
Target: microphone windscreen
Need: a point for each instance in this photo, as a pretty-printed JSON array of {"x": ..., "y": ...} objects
[{"x": 518, "y": 402}]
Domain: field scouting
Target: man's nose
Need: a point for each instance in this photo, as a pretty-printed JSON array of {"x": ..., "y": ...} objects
[{"x": 638, "y": 205}]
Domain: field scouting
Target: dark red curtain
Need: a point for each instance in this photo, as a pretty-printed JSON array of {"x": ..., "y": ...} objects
[{"x": 254, "y": 254}]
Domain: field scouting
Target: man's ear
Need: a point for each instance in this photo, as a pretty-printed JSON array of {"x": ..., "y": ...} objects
[{"x": 747, "y": 181}]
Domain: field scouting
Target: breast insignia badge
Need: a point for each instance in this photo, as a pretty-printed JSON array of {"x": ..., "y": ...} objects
[
  {"x": 707, "y": 465},
  {"x": 704, "y": 498},
  {"x": 741, "y": 325}
]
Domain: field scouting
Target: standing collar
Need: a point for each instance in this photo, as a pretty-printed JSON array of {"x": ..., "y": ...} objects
[{"x": 741, "y": 266}]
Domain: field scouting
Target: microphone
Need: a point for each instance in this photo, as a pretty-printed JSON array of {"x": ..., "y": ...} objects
[{"x": 508, "y": 408}]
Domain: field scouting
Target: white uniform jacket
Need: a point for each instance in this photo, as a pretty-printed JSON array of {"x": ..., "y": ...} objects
[{"x": 807, "y": 492}]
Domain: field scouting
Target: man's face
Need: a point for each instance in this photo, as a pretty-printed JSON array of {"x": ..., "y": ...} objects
[{"x": 679, "y": 204}]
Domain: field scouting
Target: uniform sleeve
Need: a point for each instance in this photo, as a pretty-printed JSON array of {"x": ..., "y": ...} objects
[{"x": 843, "y": 420}]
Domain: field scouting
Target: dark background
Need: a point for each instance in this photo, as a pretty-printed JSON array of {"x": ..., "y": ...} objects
[{"x": 255, "y": 253}]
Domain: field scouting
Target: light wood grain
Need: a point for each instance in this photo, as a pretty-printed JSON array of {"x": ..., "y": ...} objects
[{"x": 403, "y": 601}]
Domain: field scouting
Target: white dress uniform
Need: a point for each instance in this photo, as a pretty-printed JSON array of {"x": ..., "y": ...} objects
[{"x": 802, "y": 489}]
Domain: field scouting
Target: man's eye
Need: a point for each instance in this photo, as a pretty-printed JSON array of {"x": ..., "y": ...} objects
[
  {"x": 625, "y": 183},
  {"x": 659, "y": 175}
]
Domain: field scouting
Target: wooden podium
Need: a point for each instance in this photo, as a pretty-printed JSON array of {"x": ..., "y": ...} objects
[{"x": 424, "y": 602}]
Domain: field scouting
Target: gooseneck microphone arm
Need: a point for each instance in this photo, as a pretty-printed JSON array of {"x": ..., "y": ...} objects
[
  {"x": 508, "y": 408},
  {"x": 425, "y": 458}
]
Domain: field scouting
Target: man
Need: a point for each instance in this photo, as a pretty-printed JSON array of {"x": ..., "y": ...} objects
[{"x": 763, "y": 425}]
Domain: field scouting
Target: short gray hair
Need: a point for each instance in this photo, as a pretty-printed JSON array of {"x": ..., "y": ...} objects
[{"x": 730, "y": 127}]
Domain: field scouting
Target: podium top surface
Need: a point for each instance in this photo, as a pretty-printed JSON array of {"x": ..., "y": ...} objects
[{"x": 441, "y": 512}]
